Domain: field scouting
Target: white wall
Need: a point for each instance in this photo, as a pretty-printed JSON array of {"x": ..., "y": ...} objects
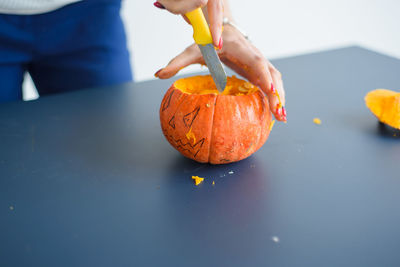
[{"x": 279, "y": 28}]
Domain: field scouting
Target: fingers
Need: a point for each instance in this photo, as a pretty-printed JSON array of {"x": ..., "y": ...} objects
[
  {"x": 277, "y": 99},
  {"x": 180, "y": 6},
  {"x": 248, "y": 61},
  {"x": 190, "y": 55},
  {"x": 215, "y": 16},
  {"x": 270, "y": 82}
]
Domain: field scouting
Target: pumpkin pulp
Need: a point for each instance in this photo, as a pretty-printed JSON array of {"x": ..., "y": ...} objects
[{"x": 202, "y": 85}]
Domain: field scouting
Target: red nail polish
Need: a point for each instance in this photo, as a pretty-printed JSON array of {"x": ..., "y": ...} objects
[
  {"x": 220, "y": 43},
  {"x": 278, "y": 111},
  {"x": 159, "y": 5},
  {"x": 272, "y": 88},
  {"x": 284, "y": 112},
  {"x": 156, "y": 74}
]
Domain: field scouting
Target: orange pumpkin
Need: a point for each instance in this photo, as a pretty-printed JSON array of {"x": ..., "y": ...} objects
[
  {"x": 385, "y": 105},
  {"x": 208, "y": 126}
]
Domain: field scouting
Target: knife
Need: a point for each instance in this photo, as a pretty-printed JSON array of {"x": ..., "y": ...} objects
[{"x": 202, "y": 37}]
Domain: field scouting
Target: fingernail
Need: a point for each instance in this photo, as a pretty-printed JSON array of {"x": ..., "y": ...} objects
[
  {"x": 278, "y": 111},
  {"x": 272, "y": 88},
  {"x": 156, "y": 74},
  {"x": 220, "y": 43},
  {"x": 284, "y": 112},
  {"x": 159, "y": 5}
]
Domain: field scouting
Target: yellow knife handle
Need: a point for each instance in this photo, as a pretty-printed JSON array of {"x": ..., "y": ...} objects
[{"x": 201, "y": 31}]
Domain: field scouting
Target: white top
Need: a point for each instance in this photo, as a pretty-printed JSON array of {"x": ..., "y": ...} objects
[{"x": 29, "y": 7}]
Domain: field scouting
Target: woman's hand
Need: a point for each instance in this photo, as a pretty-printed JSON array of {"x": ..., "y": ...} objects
[
  {"x": 244, "y": 58},
  {"x": 215, "y": 10}
]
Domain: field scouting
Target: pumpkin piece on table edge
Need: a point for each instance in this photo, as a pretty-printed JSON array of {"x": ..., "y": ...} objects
[
  {"x": 385, "y": 105},
  {"x": 208, "y": 126}
]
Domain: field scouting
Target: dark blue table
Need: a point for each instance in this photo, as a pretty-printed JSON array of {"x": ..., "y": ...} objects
[{"x": 87, "y": 179}]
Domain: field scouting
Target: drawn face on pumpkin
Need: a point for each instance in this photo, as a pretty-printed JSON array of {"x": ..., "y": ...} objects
[{"x": 184, "y": 130}]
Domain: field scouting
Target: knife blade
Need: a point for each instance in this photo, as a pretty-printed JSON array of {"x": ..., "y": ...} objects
[
  {"x": 202, "y": 37},
  {"x": 214, "y": 65}
]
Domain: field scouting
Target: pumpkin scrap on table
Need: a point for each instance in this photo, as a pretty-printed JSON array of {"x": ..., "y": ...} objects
[
  {"x": 385, "y": 105},
  {"x": 317, "y": 121},
  {"x": 197, "y": 180},
  {"x": 208, "y": 126}
]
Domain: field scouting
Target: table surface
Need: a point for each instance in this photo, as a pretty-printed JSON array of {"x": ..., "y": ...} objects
[{"x": 87, "y": 179}]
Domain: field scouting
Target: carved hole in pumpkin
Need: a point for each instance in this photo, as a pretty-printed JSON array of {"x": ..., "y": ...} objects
[{"x": 203, "y": 85}]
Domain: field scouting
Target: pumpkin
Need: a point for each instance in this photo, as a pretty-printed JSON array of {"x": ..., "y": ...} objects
[
  {"x": 208, "y": 126},
  {"x": 385, "y": 105}
]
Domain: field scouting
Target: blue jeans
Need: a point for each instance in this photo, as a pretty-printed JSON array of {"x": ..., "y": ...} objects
[{"x": 81, "y": 45}]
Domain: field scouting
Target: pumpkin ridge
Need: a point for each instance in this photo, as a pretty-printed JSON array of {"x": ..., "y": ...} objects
[
  {"x": 259, "y": 99},
  {"x": 264, "y": 102},
  {"x": 212, "y": 128}
]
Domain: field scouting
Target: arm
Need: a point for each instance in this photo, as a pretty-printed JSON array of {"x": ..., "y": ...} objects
[{"x": 238, "y": 54}]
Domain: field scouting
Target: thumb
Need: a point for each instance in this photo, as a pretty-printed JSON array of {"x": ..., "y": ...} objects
[{"x": 190, "y": 55}]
